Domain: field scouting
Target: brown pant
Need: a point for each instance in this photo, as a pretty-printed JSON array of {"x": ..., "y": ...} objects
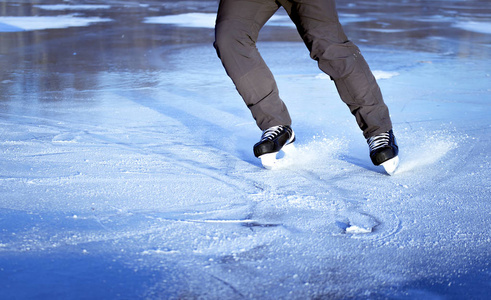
[{"x": 236, "y": 32}]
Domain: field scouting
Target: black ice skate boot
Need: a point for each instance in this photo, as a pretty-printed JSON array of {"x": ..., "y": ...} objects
[
  {"x": 384, "y": 151},
  {"x": 272, "y": 141}
]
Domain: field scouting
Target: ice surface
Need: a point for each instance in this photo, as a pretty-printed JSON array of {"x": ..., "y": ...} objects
[{"x": 127, "y": 170}]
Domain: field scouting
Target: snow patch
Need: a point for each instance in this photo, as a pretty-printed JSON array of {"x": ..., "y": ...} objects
[
  {"x": 207, "y": 20},
  {"x": 72, "y": 7},
  {"x": 379, "y": 74},
  {"x": 13, "y": 24},
  {"x": 322, "y": 76},
  {"x": 385, "y": 30},
  {"x": 480, "y": 27},
  {"x": 353, "y": 229},
  {"x": 357, "y": 223},
  {"x": 159, "y": 251},
  {"x": 202, "y": 20},
  {"x": 346, "y": 18}
]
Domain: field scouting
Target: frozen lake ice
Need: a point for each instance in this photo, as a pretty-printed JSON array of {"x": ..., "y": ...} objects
[{"x": 127, "y": 168}]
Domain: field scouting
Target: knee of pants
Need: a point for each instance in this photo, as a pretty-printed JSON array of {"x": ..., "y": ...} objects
[
  {"x": 230, "y": 38},
  {"x": 338, "y": 68}
]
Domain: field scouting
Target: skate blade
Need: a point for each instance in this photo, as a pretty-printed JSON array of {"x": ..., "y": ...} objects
[
  {"x": 271, "y": 160},
  {"x": 391, "y": 165},
  {"x": 288, "y": 148},
  {"x": 268, "y": 160}
]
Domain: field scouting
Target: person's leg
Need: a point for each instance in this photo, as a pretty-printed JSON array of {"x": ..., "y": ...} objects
[
  {"x": 236, "y": 32},
  {"x": 318, "y": 24}
]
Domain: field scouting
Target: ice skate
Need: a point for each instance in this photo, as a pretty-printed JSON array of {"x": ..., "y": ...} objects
[
  {"x": 273, "y": 140},
  {"x": 384, "y": 151}
]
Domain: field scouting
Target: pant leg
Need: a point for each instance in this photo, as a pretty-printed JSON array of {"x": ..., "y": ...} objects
[
  {"x": 236, "y": 32},
  {"x": 318, "y": 24}
]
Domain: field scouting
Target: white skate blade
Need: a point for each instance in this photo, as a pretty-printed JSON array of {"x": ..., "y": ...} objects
[
  {"x": 287, "y": 149},
  {"x": 268, "y": 160},
  {"x": 271, "y": 160},
  {"x": 391, "y": 165}
]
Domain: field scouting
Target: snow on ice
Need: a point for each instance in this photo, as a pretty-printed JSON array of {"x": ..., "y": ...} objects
[
  {"x": 127, "y": 169},
  {"x": 11, "y": 24},
  {"x": 203, "y": 20},
  {"x": 481, "y": 27},
  {"x": 73, "y": 7}
]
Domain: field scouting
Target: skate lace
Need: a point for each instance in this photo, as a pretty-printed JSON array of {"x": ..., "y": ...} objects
[
  {"x": 378, "y": 141},
  {"x": 271, "y": 133}
]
